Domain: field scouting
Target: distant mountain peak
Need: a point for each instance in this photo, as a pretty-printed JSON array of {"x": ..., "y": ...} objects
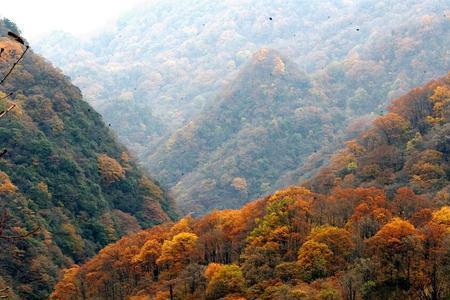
[{"x": 270, "y": 59}]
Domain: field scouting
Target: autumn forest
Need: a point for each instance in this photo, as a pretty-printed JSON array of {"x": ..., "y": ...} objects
[{"x": 233, "y": 150}]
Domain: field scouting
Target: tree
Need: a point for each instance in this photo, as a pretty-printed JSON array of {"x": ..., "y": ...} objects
[
  {"x": 442, "y": 217},
  {"x": 69, "y": 287},
  {"x": 397, "y": 247},
  {"x": 286, "y": 222},
  {"x": 441, "y": 102},
  {"x": 110, "y": 169},
  {"x": 434, "y": 284},
  {"x": 259, "y": 262},
  {"x": 391, "y": 126},
  {"x": 148, "y": 257},
  {"x": 406, "y": 203},
  {"x": 178, "y": 251},
  {"x": 176, "y": 254},
  {"x": 315, "y": 260},
  {"x": 227, "y": 280},
  {"x": 6, "y": 186},
  {"x": 357, "y": 278},
  {"x": 339, "y": 242}
]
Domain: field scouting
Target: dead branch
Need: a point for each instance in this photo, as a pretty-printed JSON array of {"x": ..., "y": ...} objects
[
  {"x": 15, "y": 64},
  {"x": 4, "y": 220},
  {"x": 9, "y": 95},
  {"x": 3, "y": 113}
]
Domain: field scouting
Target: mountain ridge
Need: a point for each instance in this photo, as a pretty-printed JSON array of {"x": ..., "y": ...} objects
[{"x": 250, "y": 104}]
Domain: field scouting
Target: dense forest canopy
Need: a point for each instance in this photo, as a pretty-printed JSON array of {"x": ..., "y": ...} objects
[
  {"x": 157, "y": 74},
  {"x": 62, "y": 170},
  {"x": 373, "y": 224},
  {"x": 305, "y": 146}
]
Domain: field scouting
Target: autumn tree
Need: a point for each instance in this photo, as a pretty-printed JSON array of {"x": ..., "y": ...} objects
[
  {"x": 357, "y": 279},
  {"x": 441, "y": 104},
  {"x": 148, "y": 257},
  {"x": 110, "y": 169},
  {"x": 339, "y": 242},
  {"x": 315, "y": 260},
  {"x": 286, "y": 222},
  {"x": 176, "y": 253},
  {"x": 391, "y": 126},
  {"x": 69, "y": 287},
  {"x": 406, "y": 203},
  {"x": 259, "y": 262},
  {"x": 339, "y": 206},
  {"x": 434, "y": 282},
  {"x": 226, "y": 280},
  {"x": 397, "y": 247},
  {"x": 426, "y": 170}
]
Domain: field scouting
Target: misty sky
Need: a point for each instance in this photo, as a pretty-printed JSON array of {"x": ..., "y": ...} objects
[{"x": 37, "y": 17}]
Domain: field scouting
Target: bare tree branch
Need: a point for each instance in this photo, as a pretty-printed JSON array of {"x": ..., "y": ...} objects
[
  {"x": 3, "y": 113},
  {"x": 22, "y": 236},
  {"x": 4, "y": 220},
  {"x": 16, "y": 37},
  {"x": 9, "y": 95},
  {"x": 14, "y": 65}
]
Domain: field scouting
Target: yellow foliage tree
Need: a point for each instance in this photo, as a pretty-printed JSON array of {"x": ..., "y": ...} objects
[
  {"x": 441, "y": 103},
  {"x": 314, "y": 260},
  {"x": 178, "y": 251},
  {"x": 67, "y": 288},
  {"x": 148, "y": 255},
  {"x": 442, "y": 216},
  {"x": 6, "y": 186},
  {"x": 227, "y": 280},
  {"x": 110, "y": 169}
]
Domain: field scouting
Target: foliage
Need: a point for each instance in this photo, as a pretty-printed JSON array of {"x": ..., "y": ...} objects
[
  {"x": 50, "y": 176},
  {"x": 180, "y": 85},
  {"x": 350, "y": 241}
]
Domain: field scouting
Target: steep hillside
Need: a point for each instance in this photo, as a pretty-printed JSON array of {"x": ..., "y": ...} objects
[
  {"x": 158, "y": 73},
  {"x": 66, "y": 186},
  {"x": 262, "y": 125},
  {"x": 410, "y": 145},
  {"x": 162, "y": 62},
  {"x": 380, "y": 230}
]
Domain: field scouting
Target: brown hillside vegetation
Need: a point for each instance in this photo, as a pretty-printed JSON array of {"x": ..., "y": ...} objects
[
  {"x": 373, "y": 224},
  {"x": 67, "y": 188}
]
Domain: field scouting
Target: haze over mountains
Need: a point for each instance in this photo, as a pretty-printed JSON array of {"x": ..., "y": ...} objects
[
  {"x": 162, "y": 68},
  {"x": 239, "y": 147}
]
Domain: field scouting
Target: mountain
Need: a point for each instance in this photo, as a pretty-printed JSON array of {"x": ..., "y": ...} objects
[
  {"x": 161, "y": 63},
  {"x": 67, "y": 188},
  {"x": 158, "y": 73},
  {"x": 259, "y": 127},
  {"x": 377, "y": 227}
]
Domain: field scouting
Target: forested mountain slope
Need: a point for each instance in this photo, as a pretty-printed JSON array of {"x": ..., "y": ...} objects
[
  {"x": 163, "y": 61},
  {"x": 377, "y": 227},
  {"x": 62, "y": 176},
  {"x": 158, "y": 73},
  {"x": 237, "y": 149},
  {"x": 410, "y": 145}
]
